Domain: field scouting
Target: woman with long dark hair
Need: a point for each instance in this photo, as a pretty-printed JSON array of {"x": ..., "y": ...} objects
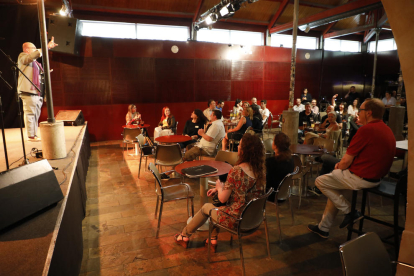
[
  {"x": 246, "y": 178},
  {"x": 281, "y": 164},
  {"x": 192, "y": 126},
  {"x": 257, "y": 122},
  {"x": 237, "y": 108},
  {"x": 166, "y": 124}
]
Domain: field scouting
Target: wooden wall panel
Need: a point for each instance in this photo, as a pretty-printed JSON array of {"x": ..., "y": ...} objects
[
  {"x": 277, "y": 71},
  {"x": 95, "y": 69},
  {"x": 212, "y": 70},
  {"x": 133, "y": 69},
  {"x": 93, "y": 92},
  {"x": 247, "y": 70},
  {"x": 139, "y": 91},
  {"x": 57, "y": 93},
  {"x": 174, "y": 69},
  {"x": 245, "y": 90},
  {"x": 276, "y": 90},
  {"x": 218, "y": 90},
  {"x": 174, "y": 91}
]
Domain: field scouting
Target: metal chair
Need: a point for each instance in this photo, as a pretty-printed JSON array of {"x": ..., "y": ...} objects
[
  {"x": 300, "y": 176},
  {"x": 283, "y": 191},
  {"x": 175, "y": 129},
  {"x": 270, "y": 129},
  {"x": 130, "y": 137},
  {"x": 233, "y": 142},
  {"x": 249, "y": 221},
  {"x": 170, "y": 193},
  {"x": 230, "y": 157},
  {"x": 168, "y": 155},
  {"x": 145, "y": 152},
  {"x": 367, "y": 256},
  {"x": 268, "y": 147}
]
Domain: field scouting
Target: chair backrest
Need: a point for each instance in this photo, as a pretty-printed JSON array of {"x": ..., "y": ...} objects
[
  {"x": 250, "y": 130},
  {"x": 297, "y": 162},
  {"x": 168, "y": 154},
  {"x": 141, "y": 140},
  {"x": 130, "y": 134},
  {"x": 218, "y": 146},
  {"x": 175, "y": 129},
  {"x": 230, "y": 157},
  {"x": 328, "y": 144},
  {"x": 321, "y": 114},
  {"x": 157, "y": 176},
  {"x": 283, "y": 189},
  {"x": 365, "y": 256},
  {"x": 268, "y": 146},
  {"x": 336, "y": 137},
  {"x": 253, "y": 214}
]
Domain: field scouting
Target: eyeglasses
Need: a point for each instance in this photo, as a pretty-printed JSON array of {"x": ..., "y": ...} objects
[{"x": 361, "y": 109}]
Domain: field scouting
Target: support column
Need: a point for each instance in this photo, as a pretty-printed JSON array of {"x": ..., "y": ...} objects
[
  {"x": 396, "y": 121},
  {"x": 377, "y": 31},
  {"x": 290, "y": 121}
]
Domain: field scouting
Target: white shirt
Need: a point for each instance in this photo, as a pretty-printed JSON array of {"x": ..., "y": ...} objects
[
  {"x": 391, "y": 101},
  {"x": 315, "y": 109},
  {"x": 352, "y": 111},
  {"x": 207, "y": 112},
  {"x": 299, "y": 108},
  {"x": 216, "y": 131},
  {"x": 265, "y": 113}
]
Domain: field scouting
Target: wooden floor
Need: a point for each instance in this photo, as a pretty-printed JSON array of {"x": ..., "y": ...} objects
[{"x": 119, "y": 230}]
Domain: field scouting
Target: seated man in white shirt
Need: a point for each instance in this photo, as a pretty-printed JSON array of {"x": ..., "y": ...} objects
[
  {"x": 315, "y": 108},
  {"x": 264, "y": 111},
  {"x": 299, "y": 107},
  {"x": 388, "y": 100},
  {"x": 209, "y": 140},
  {"x": 211, "y": 106}
]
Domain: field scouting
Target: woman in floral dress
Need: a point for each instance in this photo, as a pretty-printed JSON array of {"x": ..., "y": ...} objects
[{"x": 245, "y": 180}]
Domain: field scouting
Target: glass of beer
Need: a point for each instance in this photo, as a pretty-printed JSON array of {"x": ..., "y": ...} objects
[
  {"x": 312, "y": 124},
  {"x": 305, "y": 124}
]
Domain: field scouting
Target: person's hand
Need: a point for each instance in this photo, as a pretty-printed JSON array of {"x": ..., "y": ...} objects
[
  {"x": 334, "y": 96},
  {"x": 219, "y": 185},
  {"x": 200, "y": 132},
  {"x": 211, "y": 192},
  {"x": 194, "y": 137},
  {"x": 336, "y": 166},
  {"x": 52, "y": 43}
]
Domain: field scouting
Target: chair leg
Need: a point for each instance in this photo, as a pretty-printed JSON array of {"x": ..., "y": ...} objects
[
  {"x": 396, "y": 230},
  {"x": 192, "y": 207},
  {"x": 210, "y": 228},
  {"x": 188, "y": 208},
  {"x": 156, "y": 207},
  {"x": 231, "y": 239},
  {"x": 241, "y": 255},
  {"x": 300, "y": 191},
  {"x": 364, "y": 199},
  {"x": 267, "y": 239},
  {"x": 146, "y": 159},
  {"x": 159, "y": 221},
  {"x": 278, "y": 221},
  {"x": 353, "y": 205},
  {"x": 139, "y": 169},
  {"x": 291, "y": 210}
]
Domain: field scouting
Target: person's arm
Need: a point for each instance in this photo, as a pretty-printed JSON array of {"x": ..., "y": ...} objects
[
  {"x": 333, "y": 99},
  {"x": 239, "y": 125},
  {"x": 265, "y": 114},
  {"x": 345, "y": 162},
  {"x": 29, "y": 58},
  {"x": 171, "y": 123},
  {"x": 225, "y": 189}
]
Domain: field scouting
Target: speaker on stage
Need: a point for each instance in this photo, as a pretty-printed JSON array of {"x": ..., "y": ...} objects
[
  {"x": 67, "y": 32},
  {"x": 26, "y": 190},
  {"x": 71, "y": 117}
]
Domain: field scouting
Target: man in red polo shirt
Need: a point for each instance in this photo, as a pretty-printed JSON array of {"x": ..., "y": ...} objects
[{"x": 367, "y": 159}]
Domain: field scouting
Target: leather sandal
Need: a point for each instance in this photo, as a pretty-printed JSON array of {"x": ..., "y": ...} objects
[
  {"x": 213, "y": 246},
  {"x": 181, "y": 242}
]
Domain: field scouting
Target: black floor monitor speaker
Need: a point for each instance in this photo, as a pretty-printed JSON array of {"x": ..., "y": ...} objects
[
  {"x": 71, "y": 117},
  {"x": 26, "y": 190},
  {"x": 67, "y": 33}
]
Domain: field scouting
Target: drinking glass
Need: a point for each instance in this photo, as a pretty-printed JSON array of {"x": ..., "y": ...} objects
[{"x": 305, "y": 124}]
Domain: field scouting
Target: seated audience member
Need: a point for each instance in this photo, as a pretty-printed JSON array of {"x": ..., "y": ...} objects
[
  {"x": 388, "y": 100},
  {"x": 166, "y": 125},
  {"x": 237, "y": 132},
  {"x": 353, "y": 108},
  {"x": 299, "y": 107},
  {"x": 264, "y": 111},
  {"x": 245, "y": 180},
  {"x": 220, "y": 105},
  {"x": 306, "y": 115},
  {"x": 351, "y": 95},
  {"x": 306, "y": 97},
  {"x": 324, "y": 121},
  {"x": 315, "y": 108},
  {"x": 361, "y": 167},
  {"x": 254, "y": 101},
  {"x": 211, "y": 106},
  {"x": 192, "y": 126},
  {"x": 132, "y": 116},
  {"x": 343, "y": 116},
  {"x": 280, "y": 165},
  {"x": 209, "y": 140},
  {"x": 237, "y": 108},
  {"x": 257, "y": 122},
  {"x": 246, "y": 104},
  {"x": 333, "y": 126}
]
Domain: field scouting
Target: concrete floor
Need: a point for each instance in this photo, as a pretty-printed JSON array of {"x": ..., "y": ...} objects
[{"x": 119, "y": 230}]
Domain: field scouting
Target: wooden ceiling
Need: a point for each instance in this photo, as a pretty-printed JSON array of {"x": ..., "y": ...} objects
[{"x": 259, "y": 13}]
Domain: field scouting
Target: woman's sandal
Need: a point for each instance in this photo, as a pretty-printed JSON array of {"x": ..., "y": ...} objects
[
  {"x": 181, "y": 242},
  {"x": 213, "y": 246}
]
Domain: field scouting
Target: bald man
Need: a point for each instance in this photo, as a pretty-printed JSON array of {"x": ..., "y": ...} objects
[{"x": 32, "y": 99}]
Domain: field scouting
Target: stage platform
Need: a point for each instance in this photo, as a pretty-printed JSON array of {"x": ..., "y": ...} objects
[{"x": 49, "y": 242}]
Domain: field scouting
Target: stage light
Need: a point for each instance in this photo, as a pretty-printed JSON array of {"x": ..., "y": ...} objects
[
  {"x": 228, "y": 10},
  {"x": 63, "y": 11},
  {"x": 212, "y": 18},
  {"x": 224, "y": 11}
]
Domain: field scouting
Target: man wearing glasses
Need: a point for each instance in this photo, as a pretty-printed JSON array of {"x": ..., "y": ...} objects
[
  {"x": 367, "y": 159},
  {"x": 32, "y": 99}
]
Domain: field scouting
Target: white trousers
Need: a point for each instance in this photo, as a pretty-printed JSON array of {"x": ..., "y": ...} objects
[
  {"x": 158, "y": 131},
  {"x": 32, "y": 106},
  {"x": 333, "y": 186}
]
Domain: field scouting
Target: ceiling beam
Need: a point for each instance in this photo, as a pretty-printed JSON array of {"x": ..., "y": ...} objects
[
  {"x": 349, "y": 31},
  {"x": 328, "y": 28},
  {"x": 197, "y": 11},
  {"x": 335, "y": 14},
  {"x": 305, "y": 4},
  {"x": 379, "y": 24},
  {"x": 78, "y": 7},
  {"x": 279, "y": 12},
  {"x": 369, "y": 35}
]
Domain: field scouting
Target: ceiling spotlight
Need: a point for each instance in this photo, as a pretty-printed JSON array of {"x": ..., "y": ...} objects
[
  {"x": 228, "y": 10},
  {"x": 305, "y": 28},
  {"x": 212, "y": 18},
  {"x": 63, "y": 11}
]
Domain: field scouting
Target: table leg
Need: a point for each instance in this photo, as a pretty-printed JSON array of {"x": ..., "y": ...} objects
[{"x": 203, "y": 199}]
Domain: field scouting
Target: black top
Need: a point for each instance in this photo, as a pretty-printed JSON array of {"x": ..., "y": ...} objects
[
  {"x": 304, "y": 117},
  {"x": 191, "y": 128},
  {"x": 351, "y": 98},
  {"x": 276, "y": 170},
  {"x": 257, "y": 123},
  {"x": 338, "y": 119},
  {"x": 244, "y": 127},
  {"x": 170, "y": 121},
  {"x": 307, "y": 96}
]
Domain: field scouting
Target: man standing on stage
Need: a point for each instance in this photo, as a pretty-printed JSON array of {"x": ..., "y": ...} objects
[{"x": 31, "y": 98}]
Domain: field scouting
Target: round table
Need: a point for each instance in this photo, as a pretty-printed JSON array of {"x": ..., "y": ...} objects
[
  {"x": 222, "y": 168},
  {"x": 137, "y": 126},
  {"x": 173, "y": 139}
]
